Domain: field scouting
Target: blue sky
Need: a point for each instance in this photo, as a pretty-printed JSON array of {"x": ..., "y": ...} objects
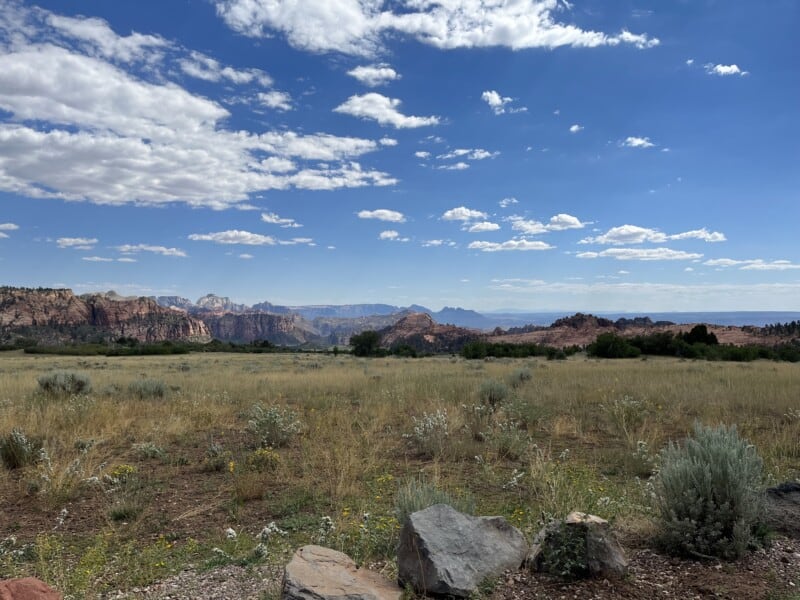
[{"x": 528, "y": 154}]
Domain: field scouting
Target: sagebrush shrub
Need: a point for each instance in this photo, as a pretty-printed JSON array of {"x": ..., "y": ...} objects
[
  {"x": 64, "y": 383},
  {"x": 519, "y": 377},
  {"x": 430, "y": 433},
  {"x": 418, "y": 494},
  {"x": 17, "y": 450},
  {"x": 709, "y": 494},
  {"x": 493, "y": 392},
  {"x": 274, "y": 426},
  {"x": 147, "y": 389}
]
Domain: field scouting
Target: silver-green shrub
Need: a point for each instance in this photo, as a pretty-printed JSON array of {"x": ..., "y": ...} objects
[
  {"x": 493, "y": 392},
  {"x": 146, "y": 389},
  {"x": 418, "y": 494},
  {"x": 274, "y": 426},
  {"x": 709, "y": 494},
  {"x": 64, "y": 383}
]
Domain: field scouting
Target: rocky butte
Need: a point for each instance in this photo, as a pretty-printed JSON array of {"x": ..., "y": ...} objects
[{"x": 59, "y": 316}]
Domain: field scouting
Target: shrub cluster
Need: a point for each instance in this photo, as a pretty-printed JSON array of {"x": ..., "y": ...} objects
[
  {"x": 274, "y": 426},
  {"x": 147, "y": 389},
  {"x": 709, "y": 494},
  {"x": 64, "y": 383}
]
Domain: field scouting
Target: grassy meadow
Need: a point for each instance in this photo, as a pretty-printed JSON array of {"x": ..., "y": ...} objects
[{"x": 205, "y": 459}]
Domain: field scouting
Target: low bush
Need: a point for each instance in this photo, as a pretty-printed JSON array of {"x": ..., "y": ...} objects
[
  {"x": 147, "y": 389},
  {"x": 64, "y": 383},
  {"x": 709, "y": 492},
  {"x": 17, "y": 450},
  {"x": 274, "y": 426},
  {"x": 493, "y": 392}
]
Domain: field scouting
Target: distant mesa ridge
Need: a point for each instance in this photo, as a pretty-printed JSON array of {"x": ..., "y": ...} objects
[{"x": 58, "y": 316}]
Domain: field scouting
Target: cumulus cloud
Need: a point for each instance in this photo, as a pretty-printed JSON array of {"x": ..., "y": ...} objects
[
  {"x": 637, "y": 142},
  {"x": 633, "y": 234},
  {"x": 234, "y": 236},
  {"x": 162, "y": 250},
  {"x": 275, "y": 99},
  {"x": 204, "y": 67},
  {"x": 392, "y": 236},
  {"x": 274, "y": 219},
  {"x": 725, "y": 70},
  {"x": 359, "y": 28},
  {"x": 387, "y": 141},
  {"x": 459, "y": 166},
  {"x": 462, "y": 213},
  {"x": 382, "y": 109},
  {"x": 510, "y": 245},
  {"x": 383, "y": 214},
  {"x": 86, "y": 123},
  {"x": 644, "y": 254},
  {"x": 575, "y": 128},
  {"x": 506, "y": 202},
  {"x": 469, "y": 154},
  {"x": 246, "y": 256},
  {"x": 8, "y": 226},
  {"x": 374, "y": 75},
  {"x": 423, "y": 154},
  {"x": 97, "y": 259},
  {"x": 76, "y": 243},
  {"x": 499, "y": 104},
  {"x": 559, "y": 222},
  {"x": 483, "y": 226}
]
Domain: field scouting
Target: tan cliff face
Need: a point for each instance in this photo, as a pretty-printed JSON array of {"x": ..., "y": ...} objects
[
  {"x": 57, "y": 315},
  {"x": 290, "y": 330}
]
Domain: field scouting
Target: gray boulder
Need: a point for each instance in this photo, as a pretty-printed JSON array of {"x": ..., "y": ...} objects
[
  {"x": 447, "y": 553},
  {"x": 579, "y": 546},
  {"x": 782, "y": 508},
  {"x": 317, "y": 573}
]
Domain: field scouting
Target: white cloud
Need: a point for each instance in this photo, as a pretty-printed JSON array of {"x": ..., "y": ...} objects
[
  {"x": 275, "y": 99},
  {"x": 725, "y": 70},
  {"x": 235, "y": 236},
  {"x": 575, "y": 128},
  {"x": 689, "y": 62},
  {"x": 638, "y": 142},
  {"x": 359, "y": 27},
  {"x": 97, "y": 259},
  {"x": 510, "y": 245},
  {"x": 645, "y": 254},
  {"x": 101, "y": 40},
  {"x": 633, "y": 234},
  {"x": 162, "y": 250},
  {"x": 564, "y": 221},
  {"x": 506, "y": 202},
  {"x": 432, "y": 243},
  {"x": 499, "y": 104},
  {"x": 374, "y": 75},
  {"x": 383, "y": 214},
  {"x": 297, "y": 241},
  {"x": 462, "y": 213},
  {"x": 204, "y": 67},
  {"x": 8, "y": 227},
  {"x": 755, "y": 264},
  {"x": 126, "y": 259},
  {"x": 382, "y": 109},
  {"x": 387, "y": 141},
  {"x": 81, "y": 127},
  {"x": 483, "y": 226},
  {"x": 392, "y": 236},
  {"x": 459, "y": 166},
  {"x": 274, "y": 219},
  {"x": 775, "y": 265},
  {"x": 527, "y": 226},
  {"x": 422, "y": 154},
  {"x": 559, "y": 222},
  {"x": 246, "y": 256},
  {"x": 76, "y": 243},
  {"x": 469, "y": 154}
]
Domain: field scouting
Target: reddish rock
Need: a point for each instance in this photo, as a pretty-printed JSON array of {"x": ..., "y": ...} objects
[{"x": 27, "y": 588}]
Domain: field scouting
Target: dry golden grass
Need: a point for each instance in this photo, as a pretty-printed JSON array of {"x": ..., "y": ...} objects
[{"x": 578, "y": 425}]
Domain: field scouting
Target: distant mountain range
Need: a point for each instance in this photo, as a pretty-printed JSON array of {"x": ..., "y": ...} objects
[{"x": 55, "y": 316}]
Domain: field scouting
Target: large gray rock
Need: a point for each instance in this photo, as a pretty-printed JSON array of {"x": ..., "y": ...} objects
[
  {"x": 317, "y": 573},
  {"x": 445, "y": 552},
  {"x": 782, "y": 506},
  {"x": 580, "y": 545}
]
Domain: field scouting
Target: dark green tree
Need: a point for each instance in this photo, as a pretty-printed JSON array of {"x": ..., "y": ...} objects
[{"x": 366, "y": 343}]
